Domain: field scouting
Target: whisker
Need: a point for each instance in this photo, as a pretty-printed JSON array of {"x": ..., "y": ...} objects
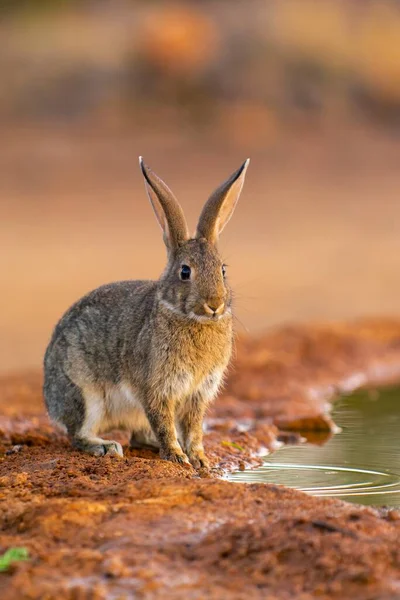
[{"x": 246, "y": 329}]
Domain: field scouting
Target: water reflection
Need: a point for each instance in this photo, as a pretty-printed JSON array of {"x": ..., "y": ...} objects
[{"x": 360, "y": 464}]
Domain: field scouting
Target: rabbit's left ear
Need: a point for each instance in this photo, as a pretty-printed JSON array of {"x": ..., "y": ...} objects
[
  {"x": 220, "y": 206},
  {"x": 166, "y": 207}
]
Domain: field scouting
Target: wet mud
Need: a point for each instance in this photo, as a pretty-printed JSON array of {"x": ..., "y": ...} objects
[{"x": 140, "y": 527}]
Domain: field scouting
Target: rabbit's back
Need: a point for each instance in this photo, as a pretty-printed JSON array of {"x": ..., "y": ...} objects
[{"x": 96, "y": 334}]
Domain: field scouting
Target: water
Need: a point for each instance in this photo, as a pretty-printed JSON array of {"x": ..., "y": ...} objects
[{"x": 360, "y": 464}]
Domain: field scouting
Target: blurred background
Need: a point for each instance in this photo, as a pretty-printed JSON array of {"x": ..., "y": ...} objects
[{"x": 309, "y": 89}]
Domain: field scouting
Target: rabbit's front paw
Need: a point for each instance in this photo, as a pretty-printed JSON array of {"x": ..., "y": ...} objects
[
  {"x": 174, "y": 455},
  {"x": 198, "y": 459}
]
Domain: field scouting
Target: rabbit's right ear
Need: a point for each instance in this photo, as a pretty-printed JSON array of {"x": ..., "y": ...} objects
[{"x": 166, "y": 207}]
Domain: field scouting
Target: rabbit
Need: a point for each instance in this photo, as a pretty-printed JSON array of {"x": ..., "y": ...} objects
[{"x": 149, "y": 356}]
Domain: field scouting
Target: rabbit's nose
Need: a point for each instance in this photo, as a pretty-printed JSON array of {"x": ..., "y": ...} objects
[{"x": 213, "y": 308}]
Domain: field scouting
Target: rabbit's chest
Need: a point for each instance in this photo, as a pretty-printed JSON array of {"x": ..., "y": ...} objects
[
  {"x": 198, "y": 348},
  {"x": 194, "y": 363},
  {"x": 182, "y": 383}
]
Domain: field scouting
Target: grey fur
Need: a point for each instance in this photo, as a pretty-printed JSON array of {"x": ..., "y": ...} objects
[{"x": 145, "y": 355}]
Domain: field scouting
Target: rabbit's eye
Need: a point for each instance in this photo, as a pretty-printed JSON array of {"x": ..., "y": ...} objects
[
  {"x": 223, "y": 270},
  {"x": 185, "y": 272}
]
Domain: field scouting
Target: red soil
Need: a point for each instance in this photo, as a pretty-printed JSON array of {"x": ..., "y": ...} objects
[{"x": 139, "y": 527}]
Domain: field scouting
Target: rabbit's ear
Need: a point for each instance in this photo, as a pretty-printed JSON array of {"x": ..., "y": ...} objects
[
  {"x": 220, "y": 206},
  {"x": 166, "y": 207}
]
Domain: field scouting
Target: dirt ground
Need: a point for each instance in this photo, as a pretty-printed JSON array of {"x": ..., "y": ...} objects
[{"x": 139, "y": 527}]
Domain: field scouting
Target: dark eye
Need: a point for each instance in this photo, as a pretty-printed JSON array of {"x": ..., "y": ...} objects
[
  {"x": 185, "y": 272},
  {"x": 223, "y": 270}
]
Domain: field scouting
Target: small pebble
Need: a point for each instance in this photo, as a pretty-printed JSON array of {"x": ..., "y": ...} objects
[
  {"x": 114, "y": 567},
  {"x": 14, "y": 449},
  {"x": 393, "y": 515}
]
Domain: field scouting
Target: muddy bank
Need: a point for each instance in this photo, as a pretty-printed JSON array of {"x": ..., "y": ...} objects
[
  {"x": 198, "y": 539},
  {"x": 142, "y": 527}
]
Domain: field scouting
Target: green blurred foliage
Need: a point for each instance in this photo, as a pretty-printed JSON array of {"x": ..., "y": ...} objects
[{"x": 11, "y": 556}]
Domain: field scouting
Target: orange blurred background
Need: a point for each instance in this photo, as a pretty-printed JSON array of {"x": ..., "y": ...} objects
[{"x": 309, "y": 90}]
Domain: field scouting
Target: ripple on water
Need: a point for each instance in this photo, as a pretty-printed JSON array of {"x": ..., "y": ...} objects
[
  {"x": 361, "y": 463},
  {"x": 324, "y": 480}
]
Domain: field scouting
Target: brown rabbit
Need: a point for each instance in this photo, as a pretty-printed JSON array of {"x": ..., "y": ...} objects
[{"x": 149, "y": 356}]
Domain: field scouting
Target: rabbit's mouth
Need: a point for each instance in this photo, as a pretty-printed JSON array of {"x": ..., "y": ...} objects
[
  {"x": 214, "y": 309},
  {"x": 199, "y": 314},
  {"x": 204, "y": 317},
  {"x": 209, "y": 311}
]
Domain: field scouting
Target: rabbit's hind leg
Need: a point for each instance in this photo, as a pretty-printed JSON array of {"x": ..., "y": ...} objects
[
  {"x": 85, "y": 438},
  {"x": 97, "y": 446}
]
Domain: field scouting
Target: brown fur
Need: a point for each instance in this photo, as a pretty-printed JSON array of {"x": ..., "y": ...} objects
[{"x": 148, "y": 355}]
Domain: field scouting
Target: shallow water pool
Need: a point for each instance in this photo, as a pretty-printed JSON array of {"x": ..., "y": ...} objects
[{"x": 360, "y": 464}]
